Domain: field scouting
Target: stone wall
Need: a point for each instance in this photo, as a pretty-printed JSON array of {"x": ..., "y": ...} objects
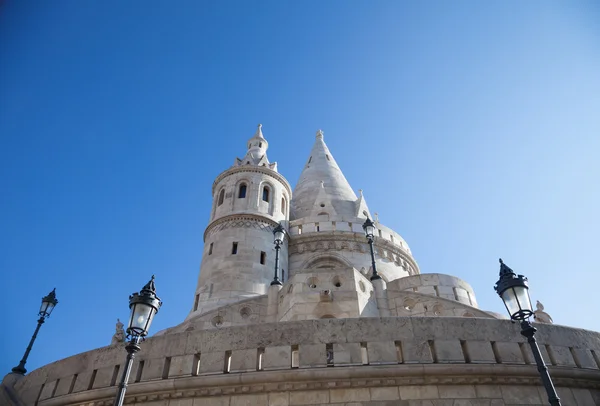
[{"x": 418, "y": 361}]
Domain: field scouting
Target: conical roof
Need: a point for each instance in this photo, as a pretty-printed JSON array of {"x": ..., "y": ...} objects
[{"x": 322, "y": 187}]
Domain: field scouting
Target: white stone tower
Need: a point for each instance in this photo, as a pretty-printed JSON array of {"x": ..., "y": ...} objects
[
  {"x": 326, "y": 223},
  {"x": 249, "y": 200}
]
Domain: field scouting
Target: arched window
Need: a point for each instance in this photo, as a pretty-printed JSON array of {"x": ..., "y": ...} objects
[
  {"x": 265, "y": 194},
  {"x": 221, "y": 197},
  {"x": 283, "y": 208},
  {"x": 242, "y": 191}
]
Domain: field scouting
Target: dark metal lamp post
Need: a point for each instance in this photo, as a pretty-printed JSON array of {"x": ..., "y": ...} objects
[
  {"x": 48, "y": 304},
  {"x": 143, "y": 306},
  {"x": 370, "y": 228},
  {"x": 279, "y": 234},
  {"x": 514, "y": 292}
]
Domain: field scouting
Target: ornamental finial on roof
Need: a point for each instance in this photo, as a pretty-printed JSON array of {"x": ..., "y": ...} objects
[
  {"x": 320, "y": 134},
  {"x": 259, "y": 131}
]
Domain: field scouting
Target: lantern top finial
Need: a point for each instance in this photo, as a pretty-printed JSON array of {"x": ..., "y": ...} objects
[
  {"x": 149, "y": 288},
  {"x": 505, "y": 270}
]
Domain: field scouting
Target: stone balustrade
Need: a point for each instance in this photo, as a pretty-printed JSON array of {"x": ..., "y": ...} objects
[{"x": 405, "y": 353}]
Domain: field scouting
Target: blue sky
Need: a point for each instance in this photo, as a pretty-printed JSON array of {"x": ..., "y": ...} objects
[{"x": 472, "y": 127}]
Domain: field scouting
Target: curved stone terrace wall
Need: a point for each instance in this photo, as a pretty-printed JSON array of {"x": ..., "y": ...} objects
[{"x": 407, "y": 361}]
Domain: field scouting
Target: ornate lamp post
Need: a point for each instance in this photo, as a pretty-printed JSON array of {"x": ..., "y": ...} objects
[
  {"x": 143, "y": 306},
  {"x": 279, "y": 234},
  {"x": 48, "y": 304},
  {"x": 514, "y": 292},
  {"x": 370, "y": 228}
]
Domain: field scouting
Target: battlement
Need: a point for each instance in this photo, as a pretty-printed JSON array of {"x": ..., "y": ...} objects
[{"x": 318, "y": 358}]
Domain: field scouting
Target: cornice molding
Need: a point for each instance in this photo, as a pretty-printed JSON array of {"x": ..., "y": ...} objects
[
  {"x": 366, "y": 376},
  {"x": 239, "y": 217}
]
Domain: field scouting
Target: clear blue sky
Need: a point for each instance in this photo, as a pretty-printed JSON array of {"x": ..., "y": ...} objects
[{"x": 473, "y": 128}]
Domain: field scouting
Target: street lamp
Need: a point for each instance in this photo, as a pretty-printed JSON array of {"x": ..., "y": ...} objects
[
  {"x": 279, "y": 234},
  {"x": 48, "y": 304},
  {"x": 514, "y": 292},
  {"x": 370, "y": 228},
  {"x": 143, "y": 307}
]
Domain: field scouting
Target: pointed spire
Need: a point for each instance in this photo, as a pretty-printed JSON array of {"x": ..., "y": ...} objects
[
  {"x": 257, "y": 152},
  {"x": 322, "y": 173},
  {"x": 259, "y": 133}
]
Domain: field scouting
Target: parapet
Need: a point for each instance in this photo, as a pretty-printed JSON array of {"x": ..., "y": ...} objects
[{"x": 330, "y": 359}]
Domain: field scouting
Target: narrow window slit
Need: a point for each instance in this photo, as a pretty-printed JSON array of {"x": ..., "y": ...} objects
[
  {"x": 364, "y": 354},
  {"x": 73, "y": 383},
  {"x": 550, "y": 352},
  {"x": 496, "y": 353},
  {"x": 138, "y": 375},
  {"x": 329, "y": 351},
  {"x": 259, "y": 358},
  {"x": 295, "y": 357},
  {"x": 465, "y": 351},
  {"x": 55, "y": 387},
  {"x": 115, "y": 375},
  {"x": 524, "y": 353},
  {"x": 92, "y": 379},
  {"x": 432, "y": 349},
  {"x": 575, "y": 357},
  {"x": 399, "y": 355},
  {"x": 227, "y": 363},
  {"x": 166, "y": 367},
  {"x": 196, "y": 365}
]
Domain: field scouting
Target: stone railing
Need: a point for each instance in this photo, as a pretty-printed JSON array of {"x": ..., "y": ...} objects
[{"x": 319, "y": 354}]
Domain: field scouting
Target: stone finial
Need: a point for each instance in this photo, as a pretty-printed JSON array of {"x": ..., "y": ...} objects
[
  {"x": 322, "y": 184},
  {"x": 376, "y": 217},
  {"x": 540, "y": 315},
  {"x": 119, "y": 336},
  {"x": 320, "y": 134},
  {"x": 360, "y": 192},
  {"x": 259, "y": 133}
]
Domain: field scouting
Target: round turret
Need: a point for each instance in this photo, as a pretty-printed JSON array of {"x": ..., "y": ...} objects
[{"x": 249, "y": 200}]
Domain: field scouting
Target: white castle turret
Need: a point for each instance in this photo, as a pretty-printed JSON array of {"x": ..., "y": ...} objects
[
  {"x": 249, "y": 200},
  {"x": 410, "y": 338}
]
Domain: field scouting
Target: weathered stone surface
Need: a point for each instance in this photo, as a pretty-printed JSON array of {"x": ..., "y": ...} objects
[
  {"x": 279, "y": 357},
  {"x": 480, "y": 352},
  {"x": 382, "y": 352},
  {"x": 448, "y": 351},
  {"x": 349, "y": 395},
  {"x": 521, "y": 395},
  {"x": 244, "y": 360},
  {"x": 313, "y": 355},
  {"x": 419, "y": 392},
  {"x": 181, "y": 366},
  {"x": 416, "y": 352},
  {"x": 316, "y": 397},
  {"x": 509, "y": 353},
  {"x": 347, "y": 354},
  {"x": 212, "y": 362}
]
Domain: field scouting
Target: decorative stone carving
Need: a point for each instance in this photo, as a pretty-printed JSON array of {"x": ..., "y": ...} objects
[
  {"x": 119, "y": 336},
  {"x": 540, "y": 315}
]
